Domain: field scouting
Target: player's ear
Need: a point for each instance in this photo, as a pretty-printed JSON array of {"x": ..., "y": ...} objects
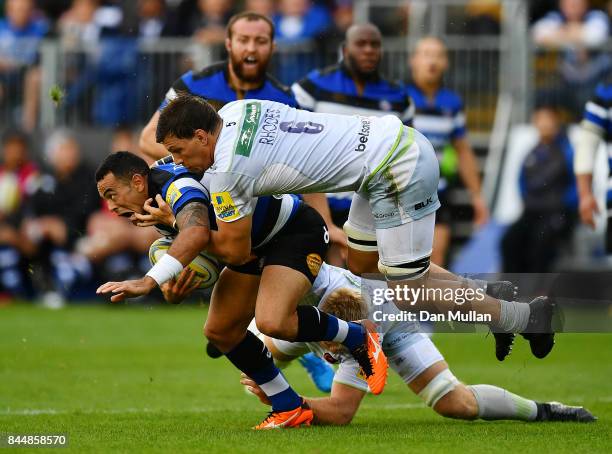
[
  {"x": 202, "y": 136},
  {"x": 139, "y": 182},
  {"x": 228, "y": 44}
]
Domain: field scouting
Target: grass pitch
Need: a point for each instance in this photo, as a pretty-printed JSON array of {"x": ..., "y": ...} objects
[{"x": 124, "y": 379}]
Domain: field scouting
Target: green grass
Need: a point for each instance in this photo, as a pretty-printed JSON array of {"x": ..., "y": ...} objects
[{"x": 126, "y": 379}]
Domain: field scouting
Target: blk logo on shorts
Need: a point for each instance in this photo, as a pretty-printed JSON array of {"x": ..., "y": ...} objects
[{"x": 420, "y": 205}]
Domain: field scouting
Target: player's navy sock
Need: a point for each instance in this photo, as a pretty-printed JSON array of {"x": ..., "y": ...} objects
[
  {"x": 316, "y": 326},
  {"x": 253, "y": 358}
]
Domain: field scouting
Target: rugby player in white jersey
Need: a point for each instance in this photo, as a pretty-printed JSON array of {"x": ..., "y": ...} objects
[
  {"x": 255, "y": 148},
  {"x": 411, "y": 354}
]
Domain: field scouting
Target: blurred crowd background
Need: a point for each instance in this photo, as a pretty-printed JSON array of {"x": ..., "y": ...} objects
[{"x": 524, "y": 70}]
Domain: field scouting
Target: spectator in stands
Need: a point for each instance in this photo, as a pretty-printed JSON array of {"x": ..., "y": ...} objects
[
  {"x": 304, "y": 26},
  {"x": 208, "y": 25},
  {"x": 353, "y": 86},
  {"x": 21, "y": 32},
  {"x": 264, "y": 7},
  {"x": 18, "y": 175},
  {"x": 548, "y": 189},
  {"x": 343, "y": 15},
  {"x": 86, "y": 22},
  {"x": 151, "y": 21},
  {"x": 483, "y": 17},
  {"x": 300, "y": 20},
  {"x": 55, "y": 218},
  {"x": 580, "y": 32},
  {"x": 103, "y": 66},
  {"x": 440, "y": 117}
]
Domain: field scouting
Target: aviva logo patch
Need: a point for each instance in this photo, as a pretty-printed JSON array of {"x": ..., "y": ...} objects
[
  {"x": 225, "y": 208},
  {"x": 172, "y": 195},
  {"x": 246, "y": 136}
]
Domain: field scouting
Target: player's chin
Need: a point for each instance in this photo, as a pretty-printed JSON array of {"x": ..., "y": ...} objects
[{"x": 252, "y": 73}]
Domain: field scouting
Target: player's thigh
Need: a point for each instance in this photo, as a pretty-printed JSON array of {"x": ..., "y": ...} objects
[
  {"x": 232, "y": 305},
  {"x": 291, "y": 264},
  {"x": 405, "y": 250},
  {"x": 280, "y": 291},
  {"x": 361, "y": 233},
  {"x": 403, "y": 197}
]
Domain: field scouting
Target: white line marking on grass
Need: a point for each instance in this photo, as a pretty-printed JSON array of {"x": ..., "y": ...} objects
[{"x": 103, "y": 411}]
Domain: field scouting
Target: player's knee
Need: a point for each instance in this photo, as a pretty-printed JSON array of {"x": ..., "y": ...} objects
[
  {"x": 224, "y": 340},
  {"x": 440, "y": 394},
  {"x": 273, "y": 327},
  {"x": 459, "y": 404},
  {"x": 412, "y": 271}
]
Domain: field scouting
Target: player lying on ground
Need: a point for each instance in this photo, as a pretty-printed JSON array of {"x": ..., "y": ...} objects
[
  {"x": 288, "y": 238},
  {"x": 413, "y": 356},
  {"x": 260, "y": 147}
]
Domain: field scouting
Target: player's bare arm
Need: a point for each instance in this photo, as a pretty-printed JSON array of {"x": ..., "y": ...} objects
[
  {"x": 147, "y": 142},
  {"x": 468, "y": 168},
  {"x": 232, "y": 241},
  {"x": 194, "y": 234}
]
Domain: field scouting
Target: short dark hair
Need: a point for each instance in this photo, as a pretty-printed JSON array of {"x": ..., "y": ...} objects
[
  {"x": 183, "y": 115},
  {"x": 123, "y": 165},
  {"x": 251, "y": 17}
]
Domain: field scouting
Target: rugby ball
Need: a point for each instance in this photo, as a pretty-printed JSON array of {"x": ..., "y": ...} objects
[{"x": 206, "y": 266}]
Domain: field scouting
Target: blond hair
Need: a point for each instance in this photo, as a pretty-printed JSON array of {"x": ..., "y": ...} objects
[{"x": 346, "y": 304}]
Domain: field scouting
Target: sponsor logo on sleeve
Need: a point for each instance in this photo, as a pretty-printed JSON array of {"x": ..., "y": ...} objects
[
  {"x": 225, "y": 208},
  {"x": 172, "y": 195},
  {"x": 250, "y": 122}
]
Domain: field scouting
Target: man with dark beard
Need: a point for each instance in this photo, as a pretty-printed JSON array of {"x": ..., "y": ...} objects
[
  {"x": 249, "y": 44},
  {"x": 354, "y": 86}
]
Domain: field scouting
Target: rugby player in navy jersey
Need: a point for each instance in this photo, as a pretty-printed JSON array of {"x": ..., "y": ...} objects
[
  {"x": 249, "y": 44},
  {"x": 354, "y": 86},
  {"x": 286, "y": 235}
]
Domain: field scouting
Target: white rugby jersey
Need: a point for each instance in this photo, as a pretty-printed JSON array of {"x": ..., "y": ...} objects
[{"x": 267, "y": 148}]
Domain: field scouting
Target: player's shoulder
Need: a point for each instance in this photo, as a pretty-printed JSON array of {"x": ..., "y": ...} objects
[
  {"x": 165, "y": 174},
  {"x": 321, "y": 78},
  {"x": 209, "y": 71},
  {"x": 275, "y": 90}
]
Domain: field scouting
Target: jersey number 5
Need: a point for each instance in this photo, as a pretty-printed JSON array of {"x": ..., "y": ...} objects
[{"x": 301, "y": 127}]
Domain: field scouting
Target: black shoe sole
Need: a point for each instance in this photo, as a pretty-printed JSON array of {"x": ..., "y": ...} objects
[{"x": 540, "y": 344}]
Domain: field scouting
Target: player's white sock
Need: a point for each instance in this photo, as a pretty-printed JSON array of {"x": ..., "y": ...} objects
[
  {"x": 513, "y": 316},
  {"x": 497, "y": 403}
]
